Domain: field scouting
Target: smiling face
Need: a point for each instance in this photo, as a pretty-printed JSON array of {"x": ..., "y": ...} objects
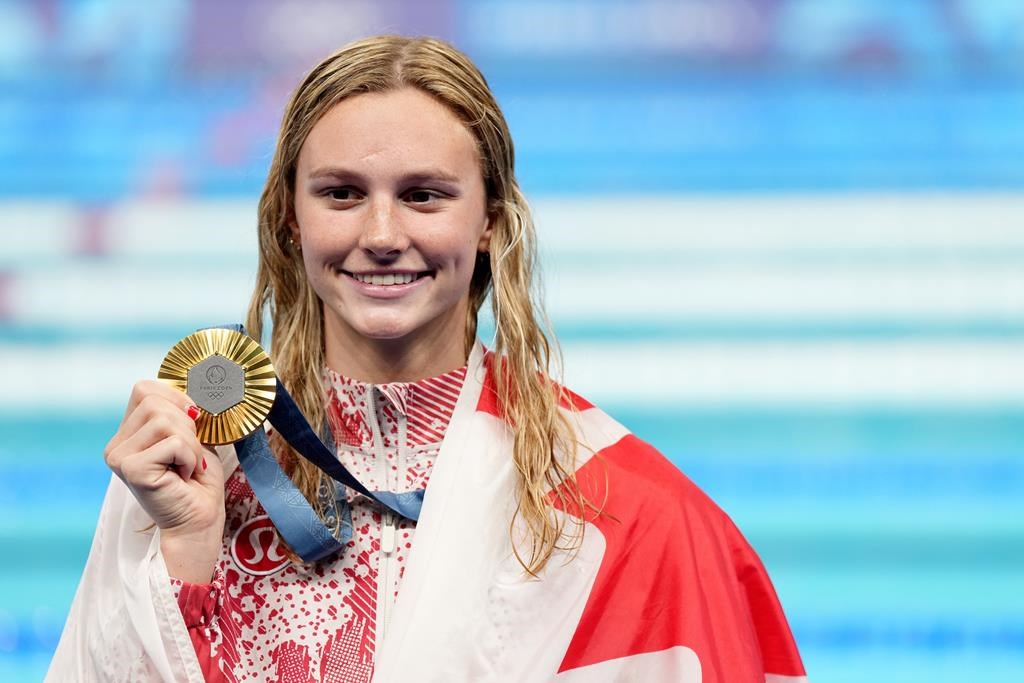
[{"x": 391, "y": 212}]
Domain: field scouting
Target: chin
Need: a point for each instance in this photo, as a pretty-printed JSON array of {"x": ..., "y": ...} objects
[
  {"x": 384, "y": 330},
  {"x": 383, "y": 335}
]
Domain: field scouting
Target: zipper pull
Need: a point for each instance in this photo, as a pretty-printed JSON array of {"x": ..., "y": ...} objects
[{"x": 387, "y": 533}]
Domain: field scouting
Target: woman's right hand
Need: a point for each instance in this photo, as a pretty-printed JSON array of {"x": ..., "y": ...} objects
[{"x": 177, "y": 481}]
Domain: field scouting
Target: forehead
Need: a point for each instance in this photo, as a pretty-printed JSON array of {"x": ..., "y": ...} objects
[{"x": 377, "y": 131}]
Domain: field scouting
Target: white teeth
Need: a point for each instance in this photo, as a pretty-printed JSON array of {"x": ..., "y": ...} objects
[{"x": 388, "y": 279}]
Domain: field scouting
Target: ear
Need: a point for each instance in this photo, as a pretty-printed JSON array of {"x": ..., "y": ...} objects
[
  {"x": 293, "y": 228},
  {"x": 484, "y": 245}
]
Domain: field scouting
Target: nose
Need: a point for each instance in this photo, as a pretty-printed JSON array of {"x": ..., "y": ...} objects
[{"x": 383, "y": 235}]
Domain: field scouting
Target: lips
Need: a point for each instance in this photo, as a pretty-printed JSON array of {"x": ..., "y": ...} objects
[{"x": 388, "y": 278}]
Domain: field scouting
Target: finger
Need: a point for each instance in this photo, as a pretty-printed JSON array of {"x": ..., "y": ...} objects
[
  {"x": 148, "y": 387},
  {"x": 163, "y": 423},
  {"x": 149, "y": 393},
  {"x": 154, "y": 407},
  {"x": 148, "y": 470}
]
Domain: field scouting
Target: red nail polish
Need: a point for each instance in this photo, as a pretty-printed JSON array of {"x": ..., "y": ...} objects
[
  {"x": 193, "y": 412},
  {"x": 204, "y": 464}
]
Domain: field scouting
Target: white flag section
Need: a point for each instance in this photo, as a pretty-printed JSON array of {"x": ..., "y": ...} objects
[
  {"x": 674, "y": 664},
  {"x": 663, "y": 587}
]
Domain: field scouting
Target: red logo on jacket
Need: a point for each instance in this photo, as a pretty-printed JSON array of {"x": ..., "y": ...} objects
[{"x": 256, "y": 549}]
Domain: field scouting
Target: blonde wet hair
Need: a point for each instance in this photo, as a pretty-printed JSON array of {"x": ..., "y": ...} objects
[{"x": 544, "y": 446}]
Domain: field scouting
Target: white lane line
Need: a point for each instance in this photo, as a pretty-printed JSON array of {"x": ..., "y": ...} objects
[
  {"x": 758, "y": 224},
  {"x": 92, "y": 376},
  {"x": 97, "y": 294},
  {"x": 761, "y": 373},
  {"x": 731, "y": 223}
]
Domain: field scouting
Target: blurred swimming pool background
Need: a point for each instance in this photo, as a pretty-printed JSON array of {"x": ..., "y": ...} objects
[{"x": 783, "y": 241}]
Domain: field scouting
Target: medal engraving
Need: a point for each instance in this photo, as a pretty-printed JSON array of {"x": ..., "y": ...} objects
[
  {"x": 229, "y": 376},
  {"x": 216, "y": 384}
]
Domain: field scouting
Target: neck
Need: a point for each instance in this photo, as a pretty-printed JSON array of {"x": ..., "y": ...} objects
[{"x": 378, "y": 361}]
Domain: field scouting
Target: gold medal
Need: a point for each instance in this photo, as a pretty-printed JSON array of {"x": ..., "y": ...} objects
[{"x": 229, "y": 376}]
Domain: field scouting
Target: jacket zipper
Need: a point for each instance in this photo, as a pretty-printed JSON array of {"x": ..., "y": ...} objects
[
  {"x": 388, "y": 525},
  {"x": 387, "y": 550}
]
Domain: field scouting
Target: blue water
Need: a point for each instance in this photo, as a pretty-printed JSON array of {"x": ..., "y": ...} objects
[
  {"x": 895, "y": 539},
  {"x": 684, "y": 132}
]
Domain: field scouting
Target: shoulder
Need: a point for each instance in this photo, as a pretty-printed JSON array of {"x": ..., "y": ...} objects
[
  {"x": 630, "y": 480},
  {"x": 617, "y": 472},
  {"x": 674, "y": 570}
]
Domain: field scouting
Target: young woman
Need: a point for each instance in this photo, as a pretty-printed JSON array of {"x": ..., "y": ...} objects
[{"x": 552, "y": 545}]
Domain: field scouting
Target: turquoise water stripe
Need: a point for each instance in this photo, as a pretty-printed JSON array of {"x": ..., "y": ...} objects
[
  {"x": 22, "y": 667},
  {"x": 796, "y": 330},
  {"x": 574, "y": 331},
  {"x": 684, "y": 256},
  {"x": 727, "y": 433},
  {"x": 961, "y": 478},
  {"x": 876, "y": 434},
  {"x": 584, "y": 257},
  {"x": 891, "y": 549},
  {"x": 114, "y": 334},
  {"x": 70, "y": 440}
]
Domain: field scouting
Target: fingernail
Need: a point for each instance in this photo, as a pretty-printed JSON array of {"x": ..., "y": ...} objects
[
  {"x": 193, "y": 412},
  {"x": 204, "y": 464}
]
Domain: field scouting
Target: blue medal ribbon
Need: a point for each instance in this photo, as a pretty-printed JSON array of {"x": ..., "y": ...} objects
[{"x": 300, "y": 525}]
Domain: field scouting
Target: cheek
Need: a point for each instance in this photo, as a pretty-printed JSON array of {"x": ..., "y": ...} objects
[
  {"x": 458, "y": 252},
  {"x": 464, "y": 243},
  {"x": 314, "y": 259},
  {"x": 325, "y": 241}
]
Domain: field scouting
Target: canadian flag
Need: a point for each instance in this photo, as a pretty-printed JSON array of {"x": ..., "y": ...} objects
[{"x": 663, "y": 586}]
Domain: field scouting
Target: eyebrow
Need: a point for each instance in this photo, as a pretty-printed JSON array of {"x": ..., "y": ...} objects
[{"x": 419, "y": 176}]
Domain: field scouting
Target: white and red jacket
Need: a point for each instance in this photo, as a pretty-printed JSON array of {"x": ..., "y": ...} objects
[
  {"x": 266, "y": 618},
  {"x": 662, "y": 588}
]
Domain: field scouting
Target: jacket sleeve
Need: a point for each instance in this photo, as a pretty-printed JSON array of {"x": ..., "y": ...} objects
[
  {"x": 205, "y": 609},
  {"x": 124, "y": 623}
]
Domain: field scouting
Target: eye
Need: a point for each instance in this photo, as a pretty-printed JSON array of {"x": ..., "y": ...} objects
[
  {"x": 342, "y": 194},
  {"x": 421, "y": 196}
]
